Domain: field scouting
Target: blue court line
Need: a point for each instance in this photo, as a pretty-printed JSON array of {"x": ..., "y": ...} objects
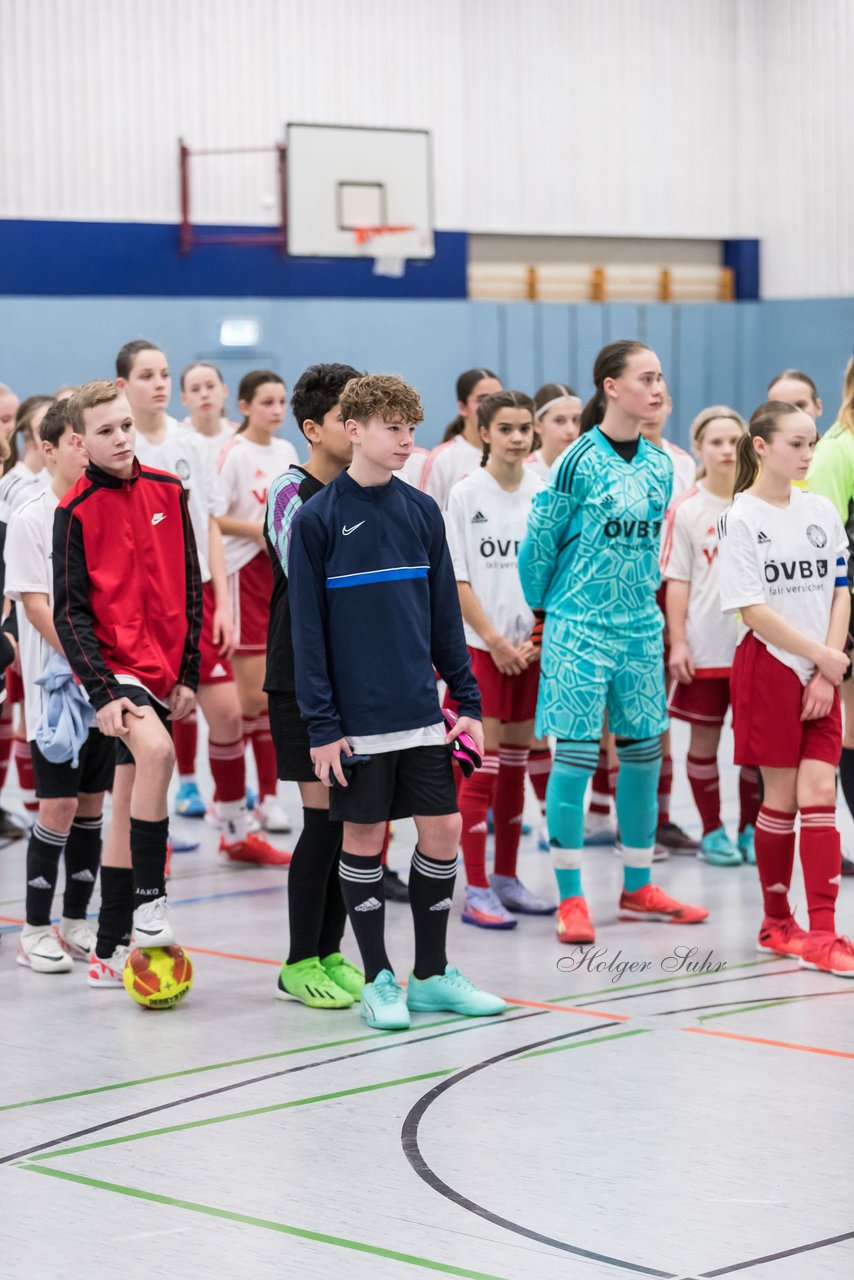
[{"x": 176, "y": 902}]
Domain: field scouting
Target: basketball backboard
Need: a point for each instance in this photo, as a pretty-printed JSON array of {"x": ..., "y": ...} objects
[{"x": 356, "y": 192}]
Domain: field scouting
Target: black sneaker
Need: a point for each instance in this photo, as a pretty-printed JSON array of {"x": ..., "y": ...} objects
[
  {"x": 394, "y": 888},
  {"x": 847, "y": 866},
  {"x": 675, "y": 839},
  {"x": 11, "y": 828}
]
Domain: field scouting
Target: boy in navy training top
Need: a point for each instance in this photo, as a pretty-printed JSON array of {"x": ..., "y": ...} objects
[
  {"x": 374, "y": 608},
  {"x": 128, "y": 611}
]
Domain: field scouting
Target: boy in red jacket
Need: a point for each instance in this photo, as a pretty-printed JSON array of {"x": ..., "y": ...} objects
[{"x": 128, "y": 609}]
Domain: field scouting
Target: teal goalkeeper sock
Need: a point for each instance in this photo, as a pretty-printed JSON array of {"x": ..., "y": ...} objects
[
  {"x": 636, "y": 878},
  {"x": 569, "y": 882}
]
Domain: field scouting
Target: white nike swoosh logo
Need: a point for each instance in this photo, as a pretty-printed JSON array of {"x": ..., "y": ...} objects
[
  {"x": 352, "y": 528},
  {"x": 161, "y": 515}
]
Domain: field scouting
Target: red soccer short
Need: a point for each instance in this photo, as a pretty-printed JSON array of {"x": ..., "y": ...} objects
[
  {"x": 511, "y": 699},
  {"x": 766, "y": 714},
  {"x": 704, "y": 701},
  {"x": 213, "y": 669},
  {"x": 251, "y": 591}
]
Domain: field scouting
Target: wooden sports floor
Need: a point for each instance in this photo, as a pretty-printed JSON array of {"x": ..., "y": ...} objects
[{"x": 660, "y": 1120}]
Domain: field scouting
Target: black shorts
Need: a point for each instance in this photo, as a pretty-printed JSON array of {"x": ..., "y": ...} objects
[
  {"x": 397, "y": 784},
  {"x": 94, "y": 772},
  {"x": 140, "y": 698},
  {"x": 290, "y": 738}
]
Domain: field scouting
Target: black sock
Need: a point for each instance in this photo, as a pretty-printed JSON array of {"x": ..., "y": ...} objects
[
  {"x": 314, "y": 861},
  {"x": 82, "y": 859},
  {"x": 431, "y": 888},
  {"x": 334, "y": 913},
  {"x": 364, "y": 897},
  {"x": 43, "y": 852},
  {"x": 115, "y": 919},
  {"x": 846, "y": 776},
  {"x": 148, "y": 855}
]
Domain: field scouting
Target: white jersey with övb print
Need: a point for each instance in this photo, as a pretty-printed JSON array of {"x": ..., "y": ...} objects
[{"x": 791, "y": 559}]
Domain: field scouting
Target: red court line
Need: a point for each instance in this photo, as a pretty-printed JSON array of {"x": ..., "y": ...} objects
[
  {"x": 568, "y": 1008},
  {"x": 774, "y": 1044},
  {"x": 229, "y": 955}
]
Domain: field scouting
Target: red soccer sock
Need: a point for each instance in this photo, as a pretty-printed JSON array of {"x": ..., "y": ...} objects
[
  {"x": 264, "y": 752},
  {"x": 476, "y": 798},
  {"x": 228, "y": 769},
  {"x": 601, "y": 790},
  {"x": 665, "y": 786},
  {"x": 23, "y": 754},
  {"x": 706, "y": 789},
  {"x": 775, "y": 857},
  {"x": 539, "y": 768},
  {"x": 185, "y": 736},
  {"x": 749, "y": 796},
  {"x": 7, "y": 737},
  {"x": 821, "y": 859},
  {"x": 508, "y": 806}
]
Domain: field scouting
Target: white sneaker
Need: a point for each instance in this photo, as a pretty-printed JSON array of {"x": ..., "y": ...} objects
[
  {"x": 77, "y": 937},
  {"x": 271, "y": 815},
  {"x": 152, "y": 926},
  {"x": 599, "y": 829},
  {"x": 39, "y": 949},
  {"x": 108, "y": 973}
]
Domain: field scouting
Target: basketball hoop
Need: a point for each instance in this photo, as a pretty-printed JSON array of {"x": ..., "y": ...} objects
[{"x": 385, "y": 264}]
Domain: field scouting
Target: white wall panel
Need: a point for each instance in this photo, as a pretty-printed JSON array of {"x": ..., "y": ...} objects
[{"x": 699, "y": 118}]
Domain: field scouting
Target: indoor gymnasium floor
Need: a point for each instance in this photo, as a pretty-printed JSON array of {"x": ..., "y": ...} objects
[{"x": 668, "y": 1121}]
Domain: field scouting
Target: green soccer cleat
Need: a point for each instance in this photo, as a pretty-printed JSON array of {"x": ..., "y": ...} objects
[
  {"x": 344, "y": 974},
  {"x": 383, "y": 1005},
  {"x": 747, "y": 845},
  {"x": 308, "y": 982},
  {"x": 451, "y": 992},
  {"x": 717, "y": 849}
]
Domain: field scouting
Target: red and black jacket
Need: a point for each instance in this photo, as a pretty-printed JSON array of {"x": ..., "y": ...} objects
[{"x": 126, "y": 581}]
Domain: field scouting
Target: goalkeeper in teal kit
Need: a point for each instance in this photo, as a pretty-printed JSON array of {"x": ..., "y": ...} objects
[{"x": 590, "y": 561}]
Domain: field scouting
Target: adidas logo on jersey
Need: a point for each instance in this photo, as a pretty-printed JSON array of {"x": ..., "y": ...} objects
[
  {"x": 763, "y": 538},
  {"x": 372, "y": 904},
  {"x": 479, "y": 518},
  {"x": 444, "y": 905}
]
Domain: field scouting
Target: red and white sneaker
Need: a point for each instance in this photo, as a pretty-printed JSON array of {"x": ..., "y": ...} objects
[
  {"x": 76, "y": 937},
  {"x": 254, "y": 849},
  {"x": 573, "y": 923},
  {"x": 651, "y": 903},
  {"x": 781, "y": 937},
  {"x": 108, "y": 973},
  {"x": 829, "y": 953}
]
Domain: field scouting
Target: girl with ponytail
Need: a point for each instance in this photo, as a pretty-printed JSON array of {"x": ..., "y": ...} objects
[
  {"x": 783, "y": 555},
  {"x": 461, "y": 449}
]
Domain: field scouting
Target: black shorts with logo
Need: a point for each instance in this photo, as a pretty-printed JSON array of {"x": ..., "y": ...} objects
[
  {"x": 418, "y": 781},
  {"x": 141, "y": 698},
  {"x": 290, "y": 738},
  {"x": 94, "y": 771}
]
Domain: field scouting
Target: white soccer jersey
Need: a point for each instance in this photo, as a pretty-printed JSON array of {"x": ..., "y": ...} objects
[
  {"x": 684, "y": 468},
  {"x": 447, "y": 464},
  {"x": 690, "y": 554},
  {"x": 16, "y": 488},
  {"x": 485, "y": 525},
  {"x": 29, "y": 546},
  {"x": 789, "y": 558},
  {"x": 413, "y": 469},
  {"x": 184, "y": 454},
  {"x": 538, "y": 464},
  {"x": 247, "y": 470}
]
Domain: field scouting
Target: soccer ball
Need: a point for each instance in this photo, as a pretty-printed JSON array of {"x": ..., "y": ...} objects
[{"x": 158, "y": 977}]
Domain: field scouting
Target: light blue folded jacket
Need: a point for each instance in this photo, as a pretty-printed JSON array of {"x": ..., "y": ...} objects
[{"x": 65, "y": 723}]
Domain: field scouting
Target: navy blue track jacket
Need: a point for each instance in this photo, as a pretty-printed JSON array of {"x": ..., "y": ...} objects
[{"x": 374, "y": 608}]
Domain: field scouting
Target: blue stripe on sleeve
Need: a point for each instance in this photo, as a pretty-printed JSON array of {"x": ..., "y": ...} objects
[{"x": 379, "y": 575}]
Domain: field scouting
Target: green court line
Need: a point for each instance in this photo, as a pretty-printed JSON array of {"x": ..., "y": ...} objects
[
  {"x": 238, "y": 1115},
  {"x": 582, "y": 1044},
  {"x": 616, "y": 987},
  {"x": 221, "y": 1066},
  {"x": 768, "y": 1004},
  {"x": 266, "y": 1224}
]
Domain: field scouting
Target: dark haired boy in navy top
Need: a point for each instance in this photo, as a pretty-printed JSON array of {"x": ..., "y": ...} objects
[{"x": 374, "y": 609}]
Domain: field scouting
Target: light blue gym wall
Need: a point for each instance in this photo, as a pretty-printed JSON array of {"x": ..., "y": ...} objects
[{"x": 715, "y": 353}]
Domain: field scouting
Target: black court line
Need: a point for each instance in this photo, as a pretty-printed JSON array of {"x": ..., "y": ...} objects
[
  {"x": 412, "y": 1151},
  {"x": 774, "y": 1257},
  {"x": 392, "y": 1043},
  {"x": 761, "y": 1002},
  {"x": 687, "y": 986}
]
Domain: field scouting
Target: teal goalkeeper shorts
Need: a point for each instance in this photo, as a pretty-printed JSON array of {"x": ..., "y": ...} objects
[{"x": 584, "y": 673}]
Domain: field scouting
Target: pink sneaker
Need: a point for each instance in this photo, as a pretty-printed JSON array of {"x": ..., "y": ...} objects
[
  {"x": 651, "y": 903},
  {"x": 829, "y": 953},
  {"x": 781, "y": 937}
]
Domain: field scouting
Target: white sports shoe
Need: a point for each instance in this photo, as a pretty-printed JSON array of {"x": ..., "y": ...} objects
[
  {"x": 272, "y": 816},
  {"x": 39, "y": 949},
  {"x": 152, "y": 926},
  {"x": 108, "y": 973},
  {"x": 77, "y": 937}
]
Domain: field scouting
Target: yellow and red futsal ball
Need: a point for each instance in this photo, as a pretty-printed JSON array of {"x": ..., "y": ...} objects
[{"x": 158, "y": 977}]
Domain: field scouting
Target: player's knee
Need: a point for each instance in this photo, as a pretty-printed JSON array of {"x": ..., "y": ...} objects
[{"x": 58, "y": 813}]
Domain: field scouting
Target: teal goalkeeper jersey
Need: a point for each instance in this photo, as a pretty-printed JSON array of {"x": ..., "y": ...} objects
[{"x": 591, "y": 554}]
